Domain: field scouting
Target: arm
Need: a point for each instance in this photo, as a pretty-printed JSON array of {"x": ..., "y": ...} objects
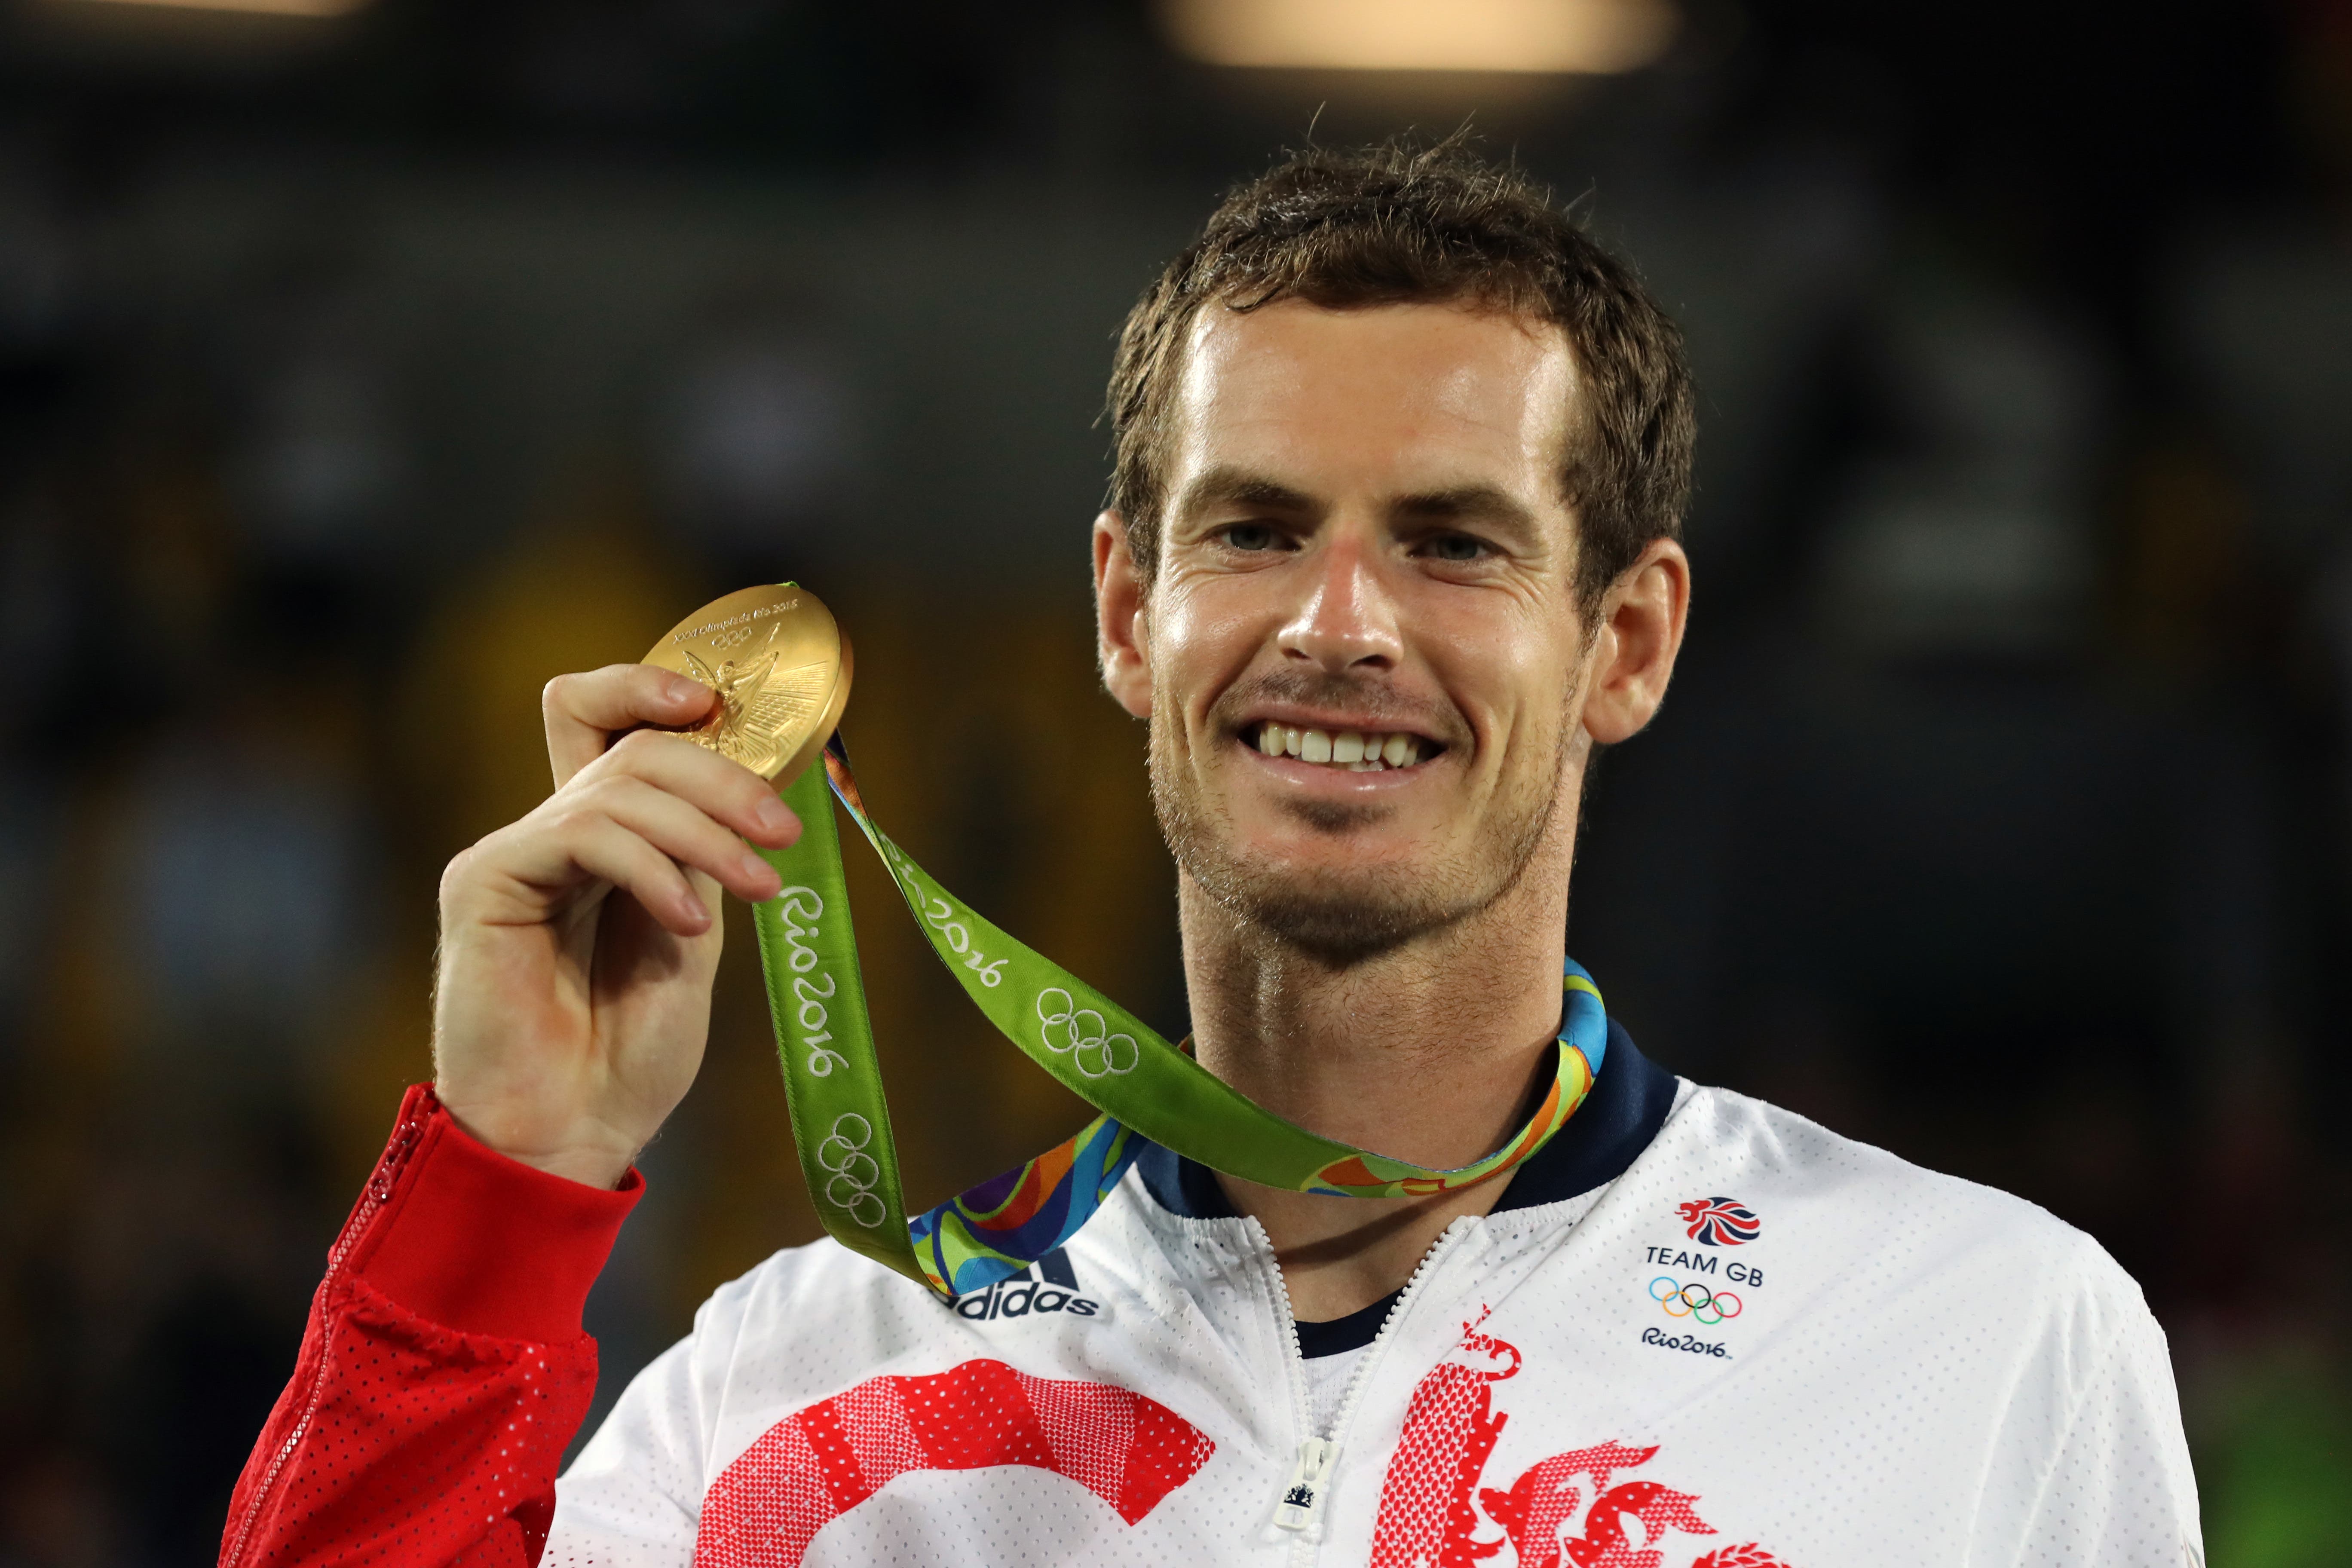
[
  {"x": 2121, "y": 1490},
  {"x": 443, "y": 1370},
  {"x": 2090, "y": 1465}
]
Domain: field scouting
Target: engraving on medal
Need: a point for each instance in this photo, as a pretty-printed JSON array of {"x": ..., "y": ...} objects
[
  {"x": 760, "y": 707},
  {"x": 780, "y": 667}
]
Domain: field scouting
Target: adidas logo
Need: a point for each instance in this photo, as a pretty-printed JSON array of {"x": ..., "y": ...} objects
[{"x": 1049, "y": 1285}]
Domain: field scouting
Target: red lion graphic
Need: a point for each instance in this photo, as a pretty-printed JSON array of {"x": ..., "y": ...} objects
[
  {"x": 1541, "y": 1500},
  {"x": 1427, "y": 1519}
]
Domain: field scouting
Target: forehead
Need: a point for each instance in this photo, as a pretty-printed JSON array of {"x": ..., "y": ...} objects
[{"x": 1376, "y": 396}]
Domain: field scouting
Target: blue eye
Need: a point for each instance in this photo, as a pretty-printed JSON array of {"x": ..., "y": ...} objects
[
  {"x": 1250, "y": 536},
  {"x": 1456, "y": 547}
]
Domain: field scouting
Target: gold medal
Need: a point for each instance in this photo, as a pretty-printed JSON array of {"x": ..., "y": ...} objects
[{"x": 781, "y": 667}]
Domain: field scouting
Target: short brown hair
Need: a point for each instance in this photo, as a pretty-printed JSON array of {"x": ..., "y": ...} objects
[{"x": 1400, "y": 223}]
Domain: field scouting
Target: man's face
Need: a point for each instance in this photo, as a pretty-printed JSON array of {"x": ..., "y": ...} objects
[{"x": 1363, "y": 640}]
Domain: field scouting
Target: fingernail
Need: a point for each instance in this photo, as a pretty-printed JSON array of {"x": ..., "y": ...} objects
[
  {"x": 682, "y": 689},
  {"x": 774, "y": 815},
  {"x": 763, "y": 875}
]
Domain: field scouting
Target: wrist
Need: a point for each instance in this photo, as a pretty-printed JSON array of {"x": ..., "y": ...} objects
[
  {"x": 590, "y": 1168},
  {"x": 591, "y": 1156}
]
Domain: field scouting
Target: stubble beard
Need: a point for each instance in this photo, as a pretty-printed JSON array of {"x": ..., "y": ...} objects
[{"x": 1339, "y": 920}]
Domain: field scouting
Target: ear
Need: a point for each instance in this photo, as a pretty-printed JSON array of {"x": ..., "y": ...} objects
[
  {"x": 1121, "y": 638},
  {"x": 1640, "y": 633}
]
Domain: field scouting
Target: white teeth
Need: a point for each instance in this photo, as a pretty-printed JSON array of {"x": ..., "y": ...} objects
[{"x": 1354, "y": 750}]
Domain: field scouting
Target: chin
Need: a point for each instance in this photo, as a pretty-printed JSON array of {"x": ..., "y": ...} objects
[
  {"x": 1328, "y": 920},
  {"x": 1339, "y": 914}
]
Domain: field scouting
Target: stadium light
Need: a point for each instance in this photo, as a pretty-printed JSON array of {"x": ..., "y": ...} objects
[{"x": 1596, "y": 36}]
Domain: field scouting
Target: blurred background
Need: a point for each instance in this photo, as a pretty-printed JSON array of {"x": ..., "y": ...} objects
[{"x": 364, "y": 365}]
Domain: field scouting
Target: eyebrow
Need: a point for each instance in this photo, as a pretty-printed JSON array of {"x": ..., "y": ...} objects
[
  {"x": 1227, "y": 486},
  {"x": 1469, "y": 504}
]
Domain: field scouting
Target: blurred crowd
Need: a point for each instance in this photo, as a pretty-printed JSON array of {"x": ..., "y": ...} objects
[{"x": 2002, "y": 813}]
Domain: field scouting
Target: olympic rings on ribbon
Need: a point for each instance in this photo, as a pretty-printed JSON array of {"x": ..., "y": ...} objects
[
  {"x": 1085, "y": 1037},
  {"x": 851, "y": 1169},
  {"x": 1709, "y": 1307}
]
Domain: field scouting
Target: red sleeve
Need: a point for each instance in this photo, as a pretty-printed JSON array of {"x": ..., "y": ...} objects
[{"x": 443, "y": 1371}]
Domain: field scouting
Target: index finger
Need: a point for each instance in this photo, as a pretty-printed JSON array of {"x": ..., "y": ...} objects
[{"x": 585, "y": 712}]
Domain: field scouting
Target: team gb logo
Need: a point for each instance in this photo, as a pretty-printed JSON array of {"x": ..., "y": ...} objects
[{"x": 1721, "y": 1222}]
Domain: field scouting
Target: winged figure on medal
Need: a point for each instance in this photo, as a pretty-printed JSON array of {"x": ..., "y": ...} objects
[{"x": 762, "y": 708}]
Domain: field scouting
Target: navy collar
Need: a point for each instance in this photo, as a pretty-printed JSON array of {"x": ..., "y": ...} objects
[{"x": 1627, "y": 1106}]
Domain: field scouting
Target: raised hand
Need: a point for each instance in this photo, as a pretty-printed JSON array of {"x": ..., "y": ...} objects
[{"x": 578, "y": 944}]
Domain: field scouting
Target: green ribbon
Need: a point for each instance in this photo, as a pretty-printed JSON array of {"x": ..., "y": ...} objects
[{"x": 1143, "y": 1084}]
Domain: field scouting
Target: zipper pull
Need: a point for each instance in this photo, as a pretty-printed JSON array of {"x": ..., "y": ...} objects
[{"x": 1299, "y": 1499}]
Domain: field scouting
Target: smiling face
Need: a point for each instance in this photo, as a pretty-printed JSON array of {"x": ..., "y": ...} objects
[{"x": 1361, "y": 652}]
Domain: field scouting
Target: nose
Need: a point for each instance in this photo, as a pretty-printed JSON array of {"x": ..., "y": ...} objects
[{"x": 1347, "y": 621}]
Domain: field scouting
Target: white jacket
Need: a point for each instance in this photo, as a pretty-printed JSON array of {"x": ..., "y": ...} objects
[{"x": 1697, "y": 1329}]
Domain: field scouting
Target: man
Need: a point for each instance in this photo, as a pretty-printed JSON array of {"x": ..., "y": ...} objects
[{"x": 1400, "y": 462}]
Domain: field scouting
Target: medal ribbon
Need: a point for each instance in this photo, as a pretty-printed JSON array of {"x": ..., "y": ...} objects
[{"x": 1144, "y": 1087}]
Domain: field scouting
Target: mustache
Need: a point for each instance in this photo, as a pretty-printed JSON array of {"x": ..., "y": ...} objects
[{"x": 1370, "y": 702}]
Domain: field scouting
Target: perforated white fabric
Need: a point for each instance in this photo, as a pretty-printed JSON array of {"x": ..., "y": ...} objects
[
  {"x": 1907, "y": 1369},
  {"x": 1327, "y": 1386}
]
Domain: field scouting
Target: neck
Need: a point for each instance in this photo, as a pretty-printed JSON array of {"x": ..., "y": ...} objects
[{"x": 1429, "y": 1052}]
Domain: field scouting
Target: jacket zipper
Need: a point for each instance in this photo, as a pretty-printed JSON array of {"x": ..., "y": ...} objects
[
  {"x": 1300, "y": 1506},
  {"x": 377, "y": 1195}
]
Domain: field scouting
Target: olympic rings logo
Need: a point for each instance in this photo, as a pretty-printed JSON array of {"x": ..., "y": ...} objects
[
  {"x": 1694, "y": 1301},
  {"x": 1082, "y": 1035},
  {"x": 851, "y": 1170}
]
